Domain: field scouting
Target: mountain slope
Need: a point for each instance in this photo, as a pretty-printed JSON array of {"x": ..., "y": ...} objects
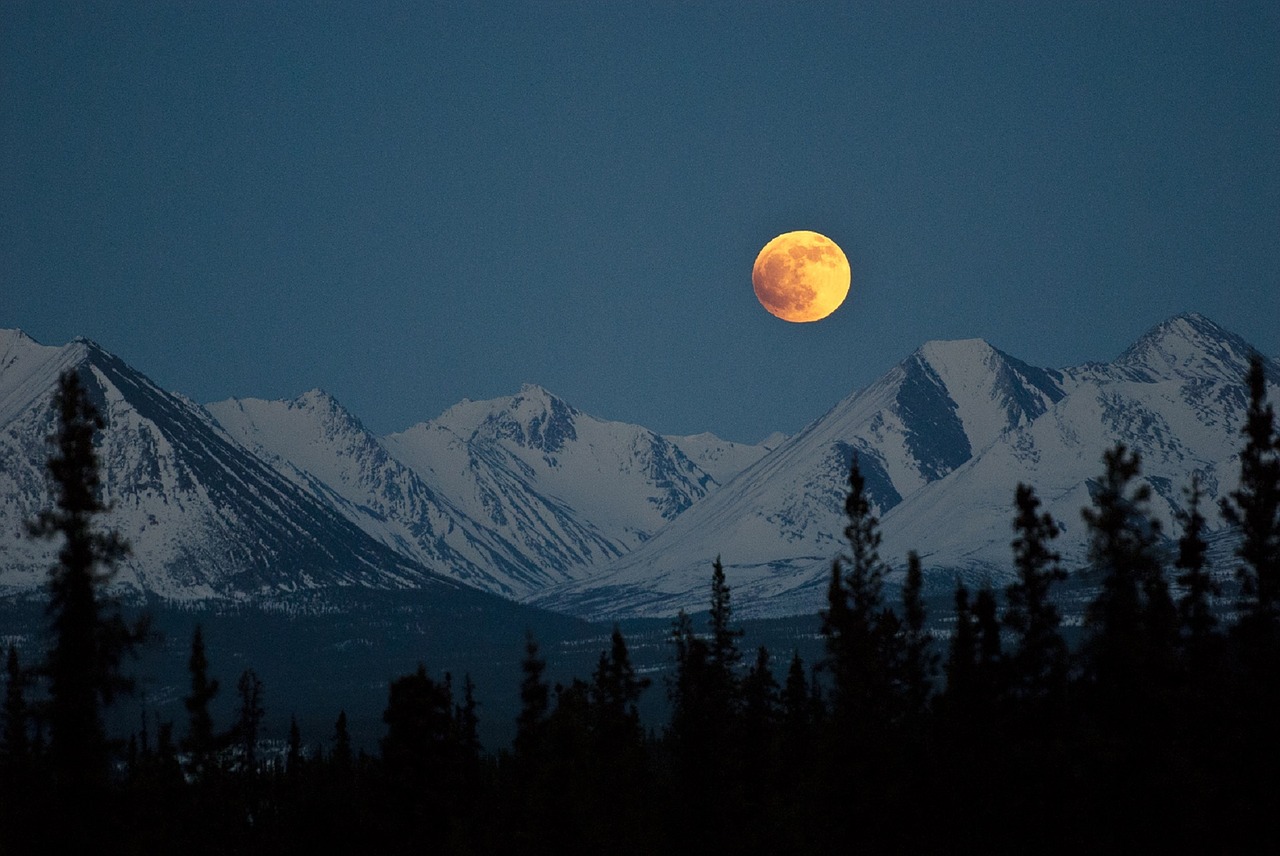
[
  {"x": 320, "y": 446},
  {"x": 943, "y": 439},
  {"x": 204, "y": 516},
  {"x": 569, "y": 490},
  {"x": 783, "y": 516}
]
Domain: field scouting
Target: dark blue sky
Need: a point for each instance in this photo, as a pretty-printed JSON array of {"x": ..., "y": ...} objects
[{"x": 409, "y": 204}]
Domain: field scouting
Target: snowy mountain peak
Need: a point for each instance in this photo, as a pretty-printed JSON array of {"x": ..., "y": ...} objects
[
  {"x": 535, "y": 419},
  {"x": 955, "y": 351},
  {"x": 957, "y": 397},
  {"x": 315, "y": 397},
  {"x": 1187, "y": 347},
  {"x": 328, "y": 409}
]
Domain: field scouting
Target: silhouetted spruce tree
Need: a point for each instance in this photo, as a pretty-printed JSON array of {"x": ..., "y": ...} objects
[
  {"x": 724, "y": 638},
  {"x": 293, "y": 759},
  {"x": 798, "y": 714},
  {"x": 962, "y": 654},
  {"x": 975, "y": 660},
  {"x": 417, "y": 755},
  {"x": 1131, "y": 625},
  {"x": 1254, "y": 508},
  {"x": 990, "y": 662},
  {"x": 200, "y": 744},
  {"x": 615, "y": 694},
  {"x": 248, "y": 725},
  {"x": 760, "y": 698},
  {"x": 535, "y": 701},
  {"x": 696, "y": 736},
  {"x": 340, "y": 756},
  {"x": 468, "y": 718},
  {"x": 865, "y": 658},
  {"x": 1195, "y": 607},
  {"x": 919, "y": 662},
  {"x": 90, "y": 638},
  {"x": 757, "y": 737},
  {"x": 860, "y": 632},
  {"x": 1128, "y": 657},
  {"x": 1039, "y": 661}
]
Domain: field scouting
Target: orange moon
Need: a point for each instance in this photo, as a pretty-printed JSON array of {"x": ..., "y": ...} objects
[{"x": 801, "y": 276}]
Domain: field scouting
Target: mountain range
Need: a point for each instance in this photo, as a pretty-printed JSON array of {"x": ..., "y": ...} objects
[{"x": 527, "y": 498}]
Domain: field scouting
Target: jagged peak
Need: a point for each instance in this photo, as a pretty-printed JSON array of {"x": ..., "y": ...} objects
[
  {"x": 317, "y": 397},
  {"x": 1187, "y": 346},
  {"x": 532, "y": 416},
  {"x": 953, "y": 350}
]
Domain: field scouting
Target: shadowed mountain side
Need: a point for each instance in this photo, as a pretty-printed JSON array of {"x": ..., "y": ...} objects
[
  {"x": 205, "y": 517},
  {"x": 943, "y": 439}
]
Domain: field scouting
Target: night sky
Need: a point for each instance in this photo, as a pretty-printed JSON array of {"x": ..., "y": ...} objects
[{"x": 409, "y": 204}]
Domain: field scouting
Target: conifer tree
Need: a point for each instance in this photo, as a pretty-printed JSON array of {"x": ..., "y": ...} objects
[
  {"x": 1039, "y": 661},
  {"x": 1254, "y": 507},
  {"x": 200, "y": 742},
  {"x": 724, "y": 638},
  {"x": 615, "y": 693},
  {"x": 760, "y": 701},
  {"x": 990, "y": 662},
  {"x": 418, "y": 750},
  {"x": 919, "y": 663},
  {"x": 860, "y": 632},
  {"x": 1195, "y": 607},
  {"x": 535, "y": 700},
  {"x": 687, "y": 687},
  {"x": 796, "y": 700},
  {"x": 975, "y": 656},
  {"x": 249, "y": 724},
  {"x": 962, "y": 654},
  {"x": 293, "y": 760},
  {"x": 468, "y": 719},
  {"x": 799, "y": 712},
  {"x": 341, "y": 753},
  {"x": 1131, "y": 625},
  {"x": 90, "y": 637},
  {"x": 721, "y": 689}
]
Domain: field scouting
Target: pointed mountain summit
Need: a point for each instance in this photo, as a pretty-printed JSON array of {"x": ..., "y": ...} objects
[
  {"x": 571, "y": 491},
  {"x": 322, "y": 447},
  {"x": 204, "y": 516},
  {"x": 531, "y": 498},
  {"x": 1188, "y": 347},
  {"x": 943, "y": 439},
  {"x": 783, "y": 516}
]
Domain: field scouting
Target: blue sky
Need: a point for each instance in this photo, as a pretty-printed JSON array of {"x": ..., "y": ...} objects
[{"x": 407, "y": 204}]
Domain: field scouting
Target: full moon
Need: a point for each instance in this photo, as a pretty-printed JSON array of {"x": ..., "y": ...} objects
[{"x": 801, "y": 276}]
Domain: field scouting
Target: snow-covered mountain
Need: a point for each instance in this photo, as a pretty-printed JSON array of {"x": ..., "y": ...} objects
[
  {"x": 943, "y": 439},
  {"x": 527, "y": 497},
  {"x": 571, "y": 491},
  {"x": 724, "y": 459},
  {"x": 320, "y": 446},
  {"x": 205, "y": 517},
  {"x": 511, "y": 495}
]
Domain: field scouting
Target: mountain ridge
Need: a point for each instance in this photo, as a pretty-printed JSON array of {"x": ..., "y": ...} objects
[{"x": 527, "y": 497}]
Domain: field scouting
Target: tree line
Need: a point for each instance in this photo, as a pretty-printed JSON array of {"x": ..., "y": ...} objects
[{"x": 1158, "y": 729}]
